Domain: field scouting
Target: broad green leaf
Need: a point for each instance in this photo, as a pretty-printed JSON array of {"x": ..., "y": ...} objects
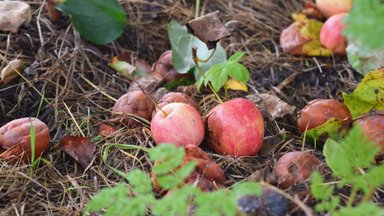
[
  {"x": 337, "y": 159},
  {"x": 364, "y": 23},
  {"x": 238, "y": 71},
  {"x": 217, "y": 76},
  {"x": 236, "y": 57},
  {"x": 333, "y": 128},
  {"x": 182, "y": 43},
  {"x": 212, "y": 73},
  {"x": 368, "y": 95},
  {"x": 99, "y": 21}
]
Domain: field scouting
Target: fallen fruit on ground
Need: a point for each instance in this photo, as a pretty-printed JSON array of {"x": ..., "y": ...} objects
[
  {"x": 269, "y": 203},
  {"x": 179, "y": 124},
  {"x": 319, "y": 111},
  {"x": 332, "y": 7},
  {"x": 294, "y": 168},
  {"x": 236, "y": 127},
  {"x": 173, "y": 97},
  {"x": 372, "y": 126},
  {"x": 133, "y": 103},
  {"x": 15, "y": 139},
  {"x": 331, "y": 35},
  {"x": 164, "y": 67}
]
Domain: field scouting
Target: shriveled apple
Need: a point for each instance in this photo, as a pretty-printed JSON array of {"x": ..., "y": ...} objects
[
  {"x": 236, "y": 128},
  {"x": 331, "y": 34},
  {"x": 319, "y": 111},
  {"x": 332, "y": 7},
  {"x": 373, "y": 128},
  {"x": 295, "y": 167},
  {"x": 179, "y": 124},
  {"x": 164, "y": 67},
  {"x": 15, "y": 139},
  {"x": 133, "y": 103}
]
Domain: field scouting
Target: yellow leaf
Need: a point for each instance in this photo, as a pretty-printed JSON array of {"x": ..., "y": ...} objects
[
  {"x": 314, "y": 48},
  {"x": 299, "y": 16},
  {"x": 236, "y": 85}
]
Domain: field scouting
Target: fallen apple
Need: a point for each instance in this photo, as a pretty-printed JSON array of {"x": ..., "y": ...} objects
[
  {"x": 172, "y": 97},
  {"x": 133, "y": 103},
  {"x": 332, "y": 7},
  {"x": 319, "y": 111},
  {"x": 15, "y": 139},
  {"x": 331, "y": 34},
  {"x": 179, "y": 124},
  {"x": 236, "y": 127},
  {"x": 295, "y": 167},
  {"x": 373, "y": 128},
  {"x": 164, "y": 67}
]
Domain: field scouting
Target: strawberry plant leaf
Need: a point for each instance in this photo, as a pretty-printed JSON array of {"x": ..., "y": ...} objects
[
  {"x": 99, "y": 21},
  {"x": 238, "y": 72},
  {"x": 362, "y": 23},
  {"x": 236, "y": 57},
  {"x": 337, "y": 158},
  {"x": 363, "y": 209},
  {"x": 368, "y": 95},
  {"x": 182, "y": 43},
  {"x": 217, "y": 203}
]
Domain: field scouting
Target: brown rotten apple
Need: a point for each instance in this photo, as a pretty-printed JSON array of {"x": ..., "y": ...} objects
[
  {"x": 295, "y": 167},
  {"x": 164, "y": 67},
  {"x": 319, "y": 111},
  {"x": 236, "y": 128},
  {"x": 134, "y": 103},
  {"x": 15, "y": 139},
  {"x": 179, "y": 124},
  {"x": 373, "y": 128}
]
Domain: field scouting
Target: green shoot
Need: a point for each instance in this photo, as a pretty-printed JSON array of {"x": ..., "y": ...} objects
[{"x": 351, "y": 161}]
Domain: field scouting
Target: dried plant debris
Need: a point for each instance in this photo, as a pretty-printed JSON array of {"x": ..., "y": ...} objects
[
  {"x": 271, "y": 106},
  {"x": 9, "y": 72},
  {"x": 79, "y": 148},
  {"x": 13, "y": 14},
  {"x": 209, "y": 29}
]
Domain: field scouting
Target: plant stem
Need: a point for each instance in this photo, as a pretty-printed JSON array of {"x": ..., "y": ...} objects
[
  {"x": 197, "y": 8},
  {"x": 197, "y": 60},
  {"x": 368, "y": 196},
  {"x": 352, "y": 197}
]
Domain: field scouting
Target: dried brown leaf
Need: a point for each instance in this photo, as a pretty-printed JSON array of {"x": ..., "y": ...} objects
[
  {"x": 79, "y": 148},
  {"x": 13, "y": 14},
  {"x": 271, "y": 106},
  {"x": 106, "y": 130},
  {"x": 209, "y": 29},
  {"x": 9, "y": 73}
]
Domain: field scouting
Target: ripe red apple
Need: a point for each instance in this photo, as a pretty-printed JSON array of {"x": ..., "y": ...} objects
[
  {"x": 319, "y": 111},
  {"x": 332, "y": 7},
  {"x": 182, "y": 125},
  {"x": 373, "y": 127},
  {"x": 331, "y": 34},
  {"x": 236, "y": 128},
  {"x": 295, "y": 167}
]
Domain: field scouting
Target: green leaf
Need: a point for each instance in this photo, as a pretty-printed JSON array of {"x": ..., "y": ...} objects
[
  {"x": 109, "y": 199},
  {"x": 333, "y": 128},
  {"x": 217, "y": 203},
  {"x": 238, "y": 72},
  {"x": 364, "y": 23},
  {"x": 236, "y": 57},
  {"x": 337, "y": 158},
  {"x": 368, "y": 95},
  {"x": 175, "y": 179},
  {"x": 319, "y": 190},
  {"x": 217, "y": 75},
  {"x": 182, "y": 43},
  {"x": 140, "y": 182},
  {"x": 363, "y": 209},
  {"x": 184, "y": 81},
  {"x": 246, "y": 189},
  {"x": 99, "y": 21},
  {"x": 168, "y": 156}
]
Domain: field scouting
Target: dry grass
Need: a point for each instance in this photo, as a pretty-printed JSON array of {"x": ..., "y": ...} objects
[{"x": 57, "y": 69}]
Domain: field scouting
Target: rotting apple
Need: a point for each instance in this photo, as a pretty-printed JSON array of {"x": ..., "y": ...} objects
[
  {"x": 15, "y": 139},
  {"x": 332, "y": 7},
  {"x": 319, "y": 111},
  {"x": 179, "y": 124},
  {"x": 331, "y": 34},
  {"x": 295, "y": 167},
  {"x": 135, "y": 103},
  {"x": 164, "y": 67},
  {"x": 372, "y": 126},
  {"x": 236, "y": 127}
]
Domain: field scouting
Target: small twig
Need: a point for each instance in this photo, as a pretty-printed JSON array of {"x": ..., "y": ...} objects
[
  {"x": 73, "y": 118},
  {"x": 98, "y": 89}
]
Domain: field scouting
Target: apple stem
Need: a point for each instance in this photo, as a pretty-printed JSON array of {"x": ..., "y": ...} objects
[
  {"x": 197, "y": 60},
  {"x": 150, "y": 98}
]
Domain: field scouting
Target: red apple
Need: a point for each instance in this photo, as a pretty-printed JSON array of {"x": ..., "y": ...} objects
[
  {"x": 331, "y": 34},
  {"x": 373, "y": 127},
  {"x": 332, "y": 7},
  {"x": 179, "y": 124},
  {"x": 236, "y": 128},
  {"x": 319, "y": 111},
  {"x": 295, "y": 167}
]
